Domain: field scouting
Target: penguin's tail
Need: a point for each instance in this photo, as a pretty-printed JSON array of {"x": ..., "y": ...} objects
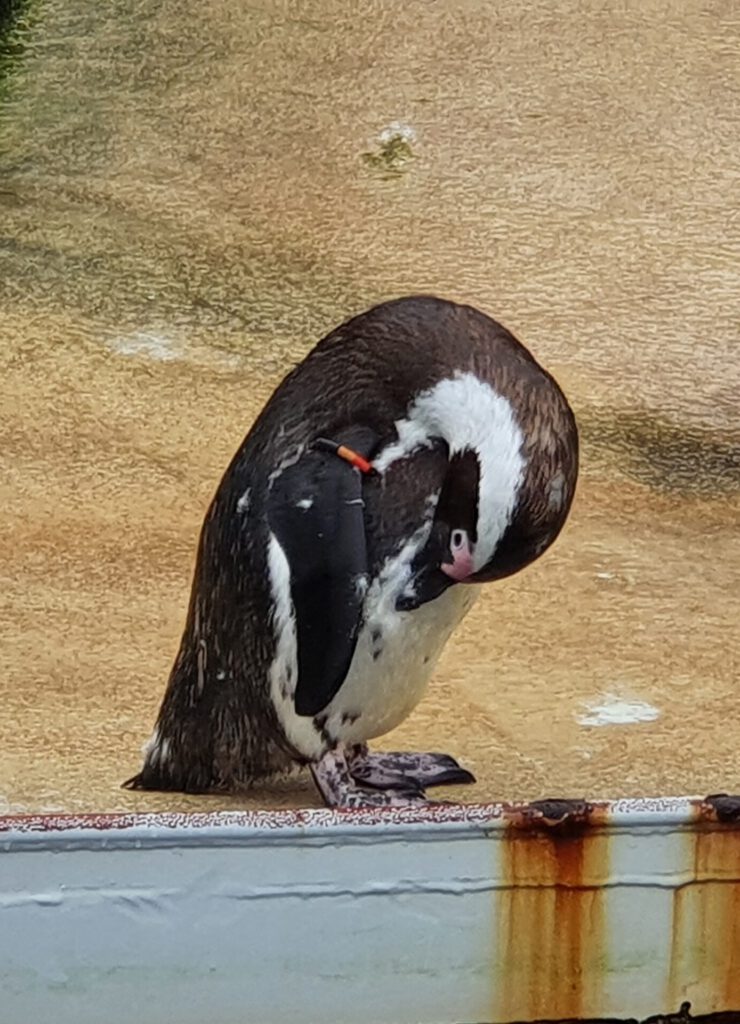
[
  {"x": 148, "y": 778},
  {"x": 136, "y": 782},
  {"x": 152, "y": 777},
  {"x": 166, "y": 782},
  {"x": 157, "y": 770}
]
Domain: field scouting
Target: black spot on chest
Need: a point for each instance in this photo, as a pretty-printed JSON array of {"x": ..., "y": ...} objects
[
  {"x": 376, "y": 642},
  {"x": 320, "y": 725}
]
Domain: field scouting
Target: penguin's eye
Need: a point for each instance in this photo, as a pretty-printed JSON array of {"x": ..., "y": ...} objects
[{"x": 458, "y": 540}]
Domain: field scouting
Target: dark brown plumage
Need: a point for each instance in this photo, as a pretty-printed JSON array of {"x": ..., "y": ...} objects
[{"x": 219, "y": 726}]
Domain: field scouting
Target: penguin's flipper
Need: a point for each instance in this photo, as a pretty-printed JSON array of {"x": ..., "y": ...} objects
[{"x": 316, "y": 513}]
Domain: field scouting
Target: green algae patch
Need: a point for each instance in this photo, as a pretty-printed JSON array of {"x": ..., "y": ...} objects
[{"x": 394, "y": 151}]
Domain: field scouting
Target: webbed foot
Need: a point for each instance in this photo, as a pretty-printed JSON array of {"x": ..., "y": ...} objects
[
  {"x": 339, "y": 787},
  {"x": 400, "y": 769}
]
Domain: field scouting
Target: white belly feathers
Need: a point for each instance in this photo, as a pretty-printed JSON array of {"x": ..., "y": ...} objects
[{"x": 395, "y": 655}]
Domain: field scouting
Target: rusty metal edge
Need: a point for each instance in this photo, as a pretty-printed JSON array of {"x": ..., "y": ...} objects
[{"x": 557, "y": 816}]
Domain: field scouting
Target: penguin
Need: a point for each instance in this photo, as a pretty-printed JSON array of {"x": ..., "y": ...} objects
[{"x": 417, "y": 453}]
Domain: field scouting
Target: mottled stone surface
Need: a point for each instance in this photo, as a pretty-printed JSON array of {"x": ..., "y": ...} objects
[{"x": 185, "y": 208}]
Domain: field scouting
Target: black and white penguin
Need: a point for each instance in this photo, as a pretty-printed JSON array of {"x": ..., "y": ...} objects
[{"x": 418, "y": 451}]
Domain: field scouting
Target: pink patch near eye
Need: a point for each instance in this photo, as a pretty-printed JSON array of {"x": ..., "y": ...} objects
[{"x": 462, "y": 559}]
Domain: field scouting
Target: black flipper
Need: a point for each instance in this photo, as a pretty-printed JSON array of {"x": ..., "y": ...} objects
[{"x": 316, "y": 513}]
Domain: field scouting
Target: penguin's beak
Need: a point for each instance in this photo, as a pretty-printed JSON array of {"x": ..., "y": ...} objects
[
  {"x": 430, "y": 573},
  {"x": 427, "y": 584}
]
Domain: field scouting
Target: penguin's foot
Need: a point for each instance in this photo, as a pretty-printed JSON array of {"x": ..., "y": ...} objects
[
  {"x": 401, "y": 770},
  {"x": 339, "y": 787}
]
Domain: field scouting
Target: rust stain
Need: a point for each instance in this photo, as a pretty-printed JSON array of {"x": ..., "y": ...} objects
[
  {"x": 550, "y": 915},
  {"x": 721, "y": 807},
  {"x": 705, "y": 939}
]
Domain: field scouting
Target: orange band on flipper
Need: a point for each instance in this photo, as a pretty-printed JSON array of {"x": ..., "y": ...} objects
[{"x": 354, "y": 459}]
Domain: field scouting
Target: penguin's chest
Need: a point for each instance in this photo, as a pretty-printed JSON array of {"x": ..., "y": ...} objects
[{"x": 395, "y": 656}]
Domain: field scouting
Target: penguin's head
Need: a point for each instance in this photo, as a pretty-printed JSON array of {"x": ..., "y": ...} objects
[
  {"x": 453, "y": 538},
  {"x": 502, "y": 503}
]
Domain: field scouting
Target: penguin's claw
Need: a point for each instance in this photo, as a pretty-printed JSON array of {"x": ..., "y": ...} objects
[
  {"x": 402, "y": 770},
  {"x": 339, "y": 788}
]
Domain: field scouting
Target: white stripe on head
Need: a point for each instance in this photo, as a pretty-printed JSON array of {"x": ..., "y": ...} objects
[{"x": 466, "y": 412}]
